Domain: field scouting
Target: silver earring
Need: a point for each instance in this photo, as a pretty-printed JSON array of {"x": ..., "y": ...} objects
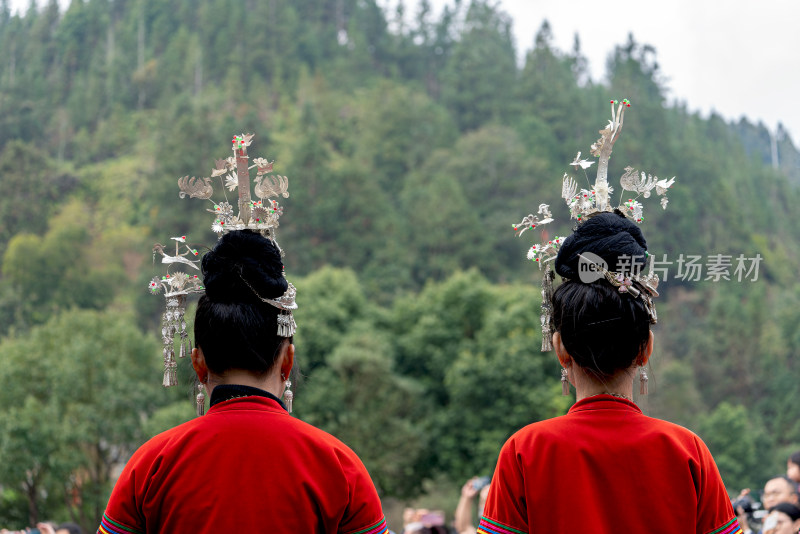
[
  {"x": 642, "y": 381},
  {"x": 288, "y": 396},
  {"x": 564, "y": 382},
  {"x": 201, "y": 400}
]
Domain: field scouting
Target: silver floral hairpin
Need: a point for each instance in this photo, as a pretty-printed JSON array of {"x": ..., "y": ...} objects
[{"x": 588, "y": 201}]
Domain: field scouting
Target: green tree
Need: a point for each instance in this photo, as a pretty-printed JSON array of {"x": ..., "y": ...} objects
[
  {"x": 384, "y": 417},
  {"x": 500, "y": 183},
  {"x": 79, "y": 389},
  {"x": 440, "y": 226},
  {"x": 31, "y": 181},
  {"x": 398, "y": 128},
  {"x": 330, "y": 301},
  {"x": 478, "y": 80},
  {"x": 432, "y": 328},
  {"x": 499, "y": 384},
  {"x": 731, "y": 438},
  {"x": 59, "y": 270}
]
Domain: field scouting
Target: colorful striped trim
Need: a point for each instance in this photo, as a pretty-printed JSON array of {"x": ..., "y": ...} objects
[
  {"x": 731, "y": 527},
  {"x": 109, "y": 526},
  {"x": 488, "y": 526},
  {"x": 377, "y": 528}
]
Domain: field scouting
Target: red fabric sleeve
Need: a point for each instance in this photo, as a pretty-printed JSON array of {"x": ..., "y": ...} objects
[
  {"x": 506, "y": 511},
  {"x": 715, "y": 514},
  {"x": 123, "y": 515},
  {"x": 364, "y": 514}
]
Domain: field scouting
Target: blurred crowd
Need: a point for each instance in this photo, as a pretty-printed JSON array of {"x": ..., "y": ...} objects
[
  {"x": 47, "y": 528},
  {"x": 424, "y": 521},
  {"x": 776, "y": 508}
]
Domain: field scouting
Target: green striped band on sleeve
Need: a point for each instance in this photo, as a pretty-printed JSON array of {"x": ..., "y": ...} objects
[
  {"x": 731, "y": 527},
  {"x": 493, "y": 527}
]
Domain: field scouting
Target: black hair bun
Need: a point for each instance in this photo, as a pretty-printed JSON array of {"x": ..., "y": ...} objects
[
  {"x": 243, "y": 266},
  {"x": 608, "y": 235}
]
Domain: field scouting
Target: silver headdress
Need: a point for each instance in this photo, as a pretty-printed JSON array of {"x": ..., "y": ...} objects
[
  {"x": 260, "y": 215},
  {"x": 587, "y": 202}
]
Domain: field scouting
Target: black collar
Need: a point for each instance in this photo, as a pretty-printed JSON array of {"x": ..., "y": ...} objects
[{"x": 226, "y": 392}]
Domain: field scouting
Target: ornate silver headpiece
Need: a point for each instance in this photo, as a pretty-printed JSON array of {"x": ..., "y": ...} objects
[
  {"x": 593, "y": 200},
  {"x": 261, "y": 216}
]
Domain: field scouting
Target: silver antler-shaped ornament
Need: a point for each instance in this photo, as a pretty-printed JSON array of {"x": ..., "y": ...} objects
[{"x": 602, "y": 149}]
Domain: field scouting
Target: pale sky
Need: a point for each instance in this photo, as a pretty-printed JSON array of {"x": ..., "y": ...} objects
[{"x": 733, "y": 56}]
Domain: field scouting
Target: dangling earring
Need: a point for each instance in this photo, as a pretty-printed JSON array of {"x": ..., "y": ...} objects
[
  {"x": 288, "y": 396},
  {"x": 642, "y": 381},
  {"x": 564, "y": 382},
  {"x": 201, "y": 400}
]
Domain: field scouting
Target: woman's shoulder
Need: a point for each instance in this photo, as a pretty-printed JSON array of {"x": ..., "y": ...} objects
[
  {"x": 638, "y": 427},
  {"x": 322, "y": 439}
]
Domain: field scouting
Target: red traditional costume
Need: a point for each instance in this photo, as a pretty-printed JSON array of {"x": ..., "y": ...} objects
[
  {"x": 606, "y": 468},
  {"x": 246, "y": 466}
]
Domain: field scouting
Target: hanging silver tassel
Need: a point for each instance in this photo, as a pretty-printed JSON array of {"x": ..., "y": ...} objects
[
  {"x": 168, "y": 339},
  {"x": 547, "y": 307},
  {"x": 286, "y": 325},
  {"x": 170, "y": 370},
  {"x": 564, "y": 382},
  {"x": 200, "y": 401},
  {"x": 173, "y": 371},
  {"x": 288, "y": 396},
  {"x": 642, "y": 381},
  {"x": 184, "y": 336},
  {"x": 167, "y": 374}
]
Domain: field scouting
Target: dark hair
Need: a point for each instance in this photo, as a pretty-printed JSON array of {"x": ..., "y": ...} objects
[
  {"x": 233, "y": 326},
  {"x": 787, "y": 508},
  {"x": 602, "y": 329},
  {"x": 795, "y": 458}
]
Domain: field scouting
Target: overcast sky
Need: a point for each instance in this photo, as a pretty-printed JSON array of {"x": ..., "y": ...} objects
[{"x": 732, "y": 56}]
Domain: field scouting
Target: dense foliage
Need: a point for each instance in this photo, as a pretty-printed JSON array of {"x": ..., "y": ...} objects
[{"x": 411, "y": 142}]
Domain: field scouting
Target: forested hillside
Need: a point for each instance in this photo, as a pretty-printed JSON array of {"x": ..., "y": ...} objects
[{"x": 412, "y": 142}]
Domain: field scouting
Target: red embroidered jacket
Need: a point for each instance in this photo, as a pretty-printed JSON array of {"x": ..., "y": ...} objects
[{"x": 606, "y": 468}]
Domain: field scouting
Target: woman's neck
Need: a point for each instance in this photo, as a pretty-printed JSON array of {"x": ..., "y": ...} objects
[
  {"x": 588, "y": 385},
  {"x": 270, "y": 382}
]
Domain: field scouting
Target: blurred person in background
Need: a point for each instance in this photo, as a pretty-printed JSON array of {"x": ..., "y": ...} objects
[
  {"x": 48, "y": 528},
  {"x": 783, "y": 518},
  {"x": 744, "y": 506},
  {"x": 474, "y": 487},
  {"x": 423, "y": 521},
  {"x": 777, "y": 490},
  {"x": 793, "y": 467}
]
